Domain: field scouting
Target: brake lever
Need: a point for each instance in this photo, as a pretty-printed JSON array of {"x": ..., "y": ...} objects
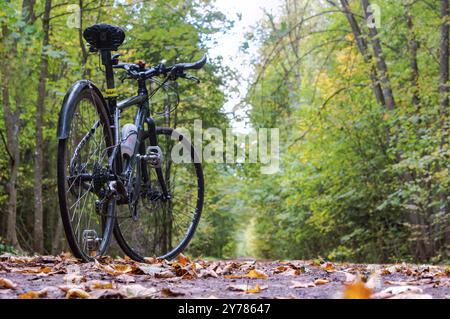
[{"x": 190, "y": 77}]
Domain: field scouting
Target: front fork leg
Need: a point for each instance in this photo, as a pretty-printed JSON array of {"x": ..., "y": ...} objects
[{"x": 154, "y": 142}]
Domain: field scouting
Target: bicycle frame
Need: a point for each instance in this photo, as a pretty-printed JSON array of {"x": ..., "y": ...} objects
[{"x": 141, "y": 100}]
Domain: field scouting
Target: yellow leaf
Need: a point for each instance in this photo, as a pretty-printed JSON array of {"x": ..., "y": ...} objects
[
  {"x": 254, "y": 273},
  {"x": 6, "y": 283},
  {"x": 97, "y": 284},
  {"x": 77, "y": 293},
  {"x": 357, "y": 290},
  {"x": 123, "y": 268},
  {"x": 33, "y": 294},
  {"x": 321, "y": 281},
  {"x": 255, "y": 290}
]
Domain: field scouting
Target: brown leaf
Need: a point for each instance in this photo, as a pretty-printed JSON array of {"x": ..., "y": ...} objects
[
  {"x": 280, "y": 269},
  {"x": 6, "y": 283},
  {"x": 183, "y": 260},
  {"x": 165, "y": 274},
  {"x": 327, "y": 266},
  {"x": 167, "y": 292},
  {"x": 34, "y": 294},
  {"x": 99, "y": 284},
  {"x": 357, "y": 290},
  {"x": 33, "y": 270},
  {"x": 321, "y": 281},
  {"x": 77, "y": 293}
]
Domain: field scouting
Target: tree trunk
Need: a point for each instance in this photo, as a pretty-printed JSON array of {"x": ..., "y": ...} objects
[
  {"x": 11, "y": 119},
  {"x": 413, "y": 46},
  {"x": 363, "y": 48},
  {"x": 444, "y": 114},
  {"x": 443, "y": 58},
  {"x": 380, "y": 62},
  {"x": 38, "y": 162}
]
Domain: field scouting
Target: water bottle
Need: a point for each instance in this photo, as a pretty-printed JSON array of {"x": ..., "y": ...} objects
[{"x": 129, "y": 137}]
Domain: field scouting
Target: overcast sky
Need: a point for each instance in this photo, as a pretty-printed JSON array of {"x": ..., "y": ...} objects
[{"x": 252, "y": 11}]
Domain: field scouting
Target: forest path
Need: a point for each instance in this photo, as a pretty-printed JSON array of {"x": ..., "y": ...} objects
[{"x": 64, "y": 277}]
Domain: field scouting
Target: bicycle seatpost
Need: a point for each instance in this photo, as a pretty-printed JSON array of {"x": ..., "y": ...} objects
[{"x": 111, "y": 93}]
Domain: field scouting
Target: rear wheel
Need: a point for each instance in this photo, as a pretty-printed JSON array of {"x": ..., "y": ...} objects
[
  {"x": 163, "y": 227},
  {"x": 88, "y": 222}
]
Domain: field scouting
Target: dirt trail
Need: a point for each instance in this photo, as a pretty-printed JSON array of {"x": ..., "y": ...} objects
[{"x": 64, "y": 277}]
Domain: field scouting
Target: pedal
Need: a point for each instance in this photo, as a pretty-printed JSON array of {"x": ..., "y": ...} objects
[
  {"x": 91, "y": 241},
  {"x": 153, "y": 156}
]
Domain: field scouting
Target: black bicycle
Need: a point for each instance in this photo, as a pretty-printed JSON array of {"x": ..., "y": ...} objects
[{"x": 123, "y": 180}]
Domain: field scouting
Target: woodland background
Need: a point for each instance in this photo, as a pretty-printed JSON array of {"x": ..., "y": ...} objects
[{"x": 363, "y": 113}]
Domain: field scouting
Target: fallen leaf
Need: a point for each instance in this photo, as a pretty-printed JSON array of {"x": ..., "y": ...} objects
[
  {"x": 280, "y": 269},
  {"x": 357, "y": 290},
  {"x": 327, "y": 266},
  {"x": 98, "y": 284},
  {"x": 254, "y": 273},
  {"x": 393, "y": 291},
  {"x": 151, "y": 269},
  {"x": 75, "y": 278},
  {"x": 412, "y": 296},
  {"x": 6, "y": 283},
  {"x": 245, "y": 288},
  {"x": 292, "y": 272},
  {"x": 33, "y": 270},
  {"x": 34, "y": 294},
  {"x": 138, "y": 291},
  {"x": 298, "y": 284},
  {"x": 167, "y": 292},
  {"x": 400, "y": 283},
  {"x": 256, "y": 289},
  {"x": 151, "y": 260},
  {"x": 77, "y": 293},
  {"x": 183, "y": 260},
  {"x": 321, "y": 281},
  {"x": 205, "y": 273},
  {"x": 107, "y": 294},
  {"x": 125, "y": 278},
  {"x": 122, "y": 269},
  {"x": 165, "y": 274}
]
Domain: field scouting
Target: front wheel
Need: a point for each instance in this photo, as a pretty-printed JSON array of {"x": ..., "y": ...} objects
[
  {"x": 88, "y": 219},
  {"x": 163, "y": 226}
]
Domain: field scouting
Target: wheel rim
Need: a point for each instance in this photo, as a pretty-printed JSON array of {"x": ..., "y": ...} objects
[{"x": 86, "y": 149}]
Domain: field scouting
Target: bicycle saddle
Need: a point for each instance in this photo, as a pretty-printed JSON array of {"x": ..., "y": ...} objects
[{"x": 104, "y": 37}]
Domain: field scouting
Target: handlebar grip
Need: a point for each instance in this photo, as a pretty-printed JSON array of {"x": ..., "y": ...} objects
[{"x": 192, "y": 66}]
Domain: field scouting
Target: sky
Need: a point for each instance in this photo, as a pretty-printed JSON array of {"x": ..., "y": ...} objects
[{"x": 252, "y": 12}]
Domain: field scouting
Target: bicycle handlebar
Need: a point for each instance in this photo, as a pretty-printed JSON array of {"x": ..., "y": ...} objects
[{"x": 177, "y": 70}]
